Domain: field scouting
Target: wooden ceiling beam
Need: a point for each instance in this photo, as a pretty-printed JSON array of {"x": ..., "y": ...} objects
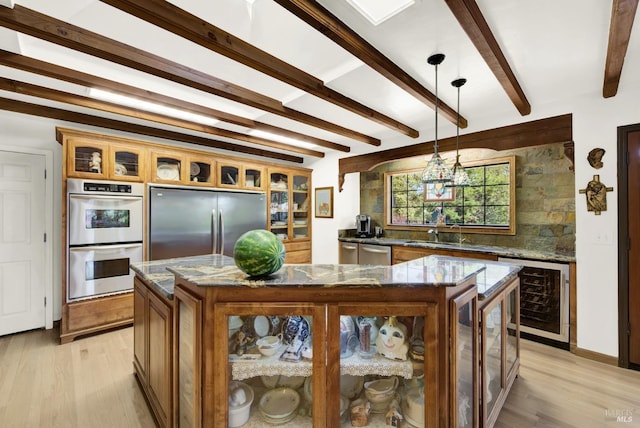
[
  {"x": 47, "y": 28},
  {"x": 473, "y": 23},
  {"x": 329, "y": 25},
  {"x": 81, "y": 101},
  {"x": 54, "y": 71},
  {"x": 557, "y": 129},
  {"x": 623, "y": 13},
  {"x": 101, "y": 122},
  {"x": 180, "y": 22}
]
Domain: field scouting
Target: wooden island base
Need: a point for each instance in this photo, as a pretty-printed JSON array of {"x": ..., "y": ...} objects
[{"x": 461, "y": 344}]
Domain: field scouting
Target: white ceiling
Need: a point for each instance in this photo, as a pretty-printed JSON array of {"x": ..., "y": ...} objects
[{"x": 556, "y": 49}]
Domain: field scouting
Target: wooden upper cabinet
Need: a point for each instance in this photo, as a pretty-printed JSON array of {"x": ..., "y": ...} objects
[
  {"x": 126, "y": 162},
  {"x": 168, "y": 167},
  {"x": 229, "y": 174},
  {"x": 202, "y": 170},
  {"x": 240, "y": 175},
  {"x": 253, "y": 177},
  {"x": 88, "y": 158}
]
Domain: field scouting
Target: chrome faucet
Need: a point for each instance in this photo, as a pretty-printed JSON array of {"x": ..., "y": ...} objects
[
  {"x": 461, "y": 239},
  {"x": 434, "y": 232}
]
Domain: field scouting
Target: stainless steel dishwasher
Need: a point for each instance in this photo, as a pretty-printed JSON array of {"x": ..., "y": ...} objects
[
  {"x": 374, "y": 255},
  {"x": 348, "y": 253}
]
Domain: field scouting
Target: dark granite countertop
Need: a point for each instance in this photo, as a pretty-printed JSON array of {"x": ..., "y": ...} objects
[
  {"x": 498, "y": 251},
  {"x": 432, "y": 271}
]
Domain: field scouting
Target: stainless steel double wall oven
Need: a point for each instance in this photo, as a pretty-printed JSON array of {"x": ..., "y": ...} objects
[{"x": 105, "y": 231}]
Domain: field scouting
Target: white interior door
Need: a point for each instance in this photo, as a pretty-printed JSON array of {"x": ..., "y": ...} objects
[{"x": 22, "y": 246}]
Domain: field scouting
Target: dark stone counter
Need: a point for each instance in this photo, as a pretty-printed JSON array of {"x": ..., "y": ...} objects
[
  {"x": 432, "y": 271},
  {"x": 498, "y": 251}
]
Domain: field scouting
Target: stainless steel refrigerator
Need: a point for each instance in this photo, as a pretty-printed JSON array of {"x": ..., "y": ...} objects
[{"x": 189, "y": 222}]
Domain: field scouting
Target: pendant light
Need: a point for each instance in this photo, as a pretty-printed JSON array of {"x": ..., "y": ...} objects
[
  {"x": 436, "y": 171},
  {"x": 460, "y": 176}
]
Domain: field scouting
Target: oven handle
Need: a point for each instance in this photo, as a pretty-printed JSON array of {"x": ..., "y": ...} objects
[
  {"x": 105, "y": 197},
  {"x": 105, "y": 247}
]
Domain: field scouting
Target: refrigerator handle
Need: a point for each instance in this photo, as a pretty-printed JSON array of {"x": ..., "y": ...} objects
[
  {"x": 221, "y": 233},
  {"x": 214, "y": 232}
]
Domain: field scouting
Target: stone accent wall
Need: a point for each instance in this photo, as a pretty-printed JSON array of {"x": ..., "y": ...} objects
[{"x": 545, "y": 200}]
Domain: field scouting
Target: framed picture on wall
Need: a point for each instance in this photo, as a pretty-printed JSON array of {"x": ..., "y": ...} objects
[
  {"x": 435, "y": 192},
  {"x": 324, "y": 202}
]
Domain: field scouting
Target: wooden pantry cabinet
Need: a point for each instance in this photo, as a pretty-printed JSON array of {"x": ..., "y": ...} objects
[{"x": 289, "y": 195}]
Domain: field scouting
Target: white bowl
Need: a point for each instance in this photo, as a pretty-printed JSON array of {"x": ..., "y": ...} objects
[
  {"x": 276, "y": 381},
  {"x": 278, "y": 404},
  {"x": 240, "y": 399},
  {"x": 269, "y": 345},
  {"x": 414, "y": 407},
  {"x": 351, "y": 386}
]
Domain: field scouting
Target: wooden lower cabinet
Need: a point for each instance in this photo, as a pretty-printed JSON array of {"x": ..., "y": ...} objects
[
  {"x": 298, "y": 252},
  {"x": 153, "y": 350},
  {"x": 206, "y": 360},
  {"x": 401, "y": 254},
  {"x": 187, "y": 359},
  {"x": 94, "y": 315}
]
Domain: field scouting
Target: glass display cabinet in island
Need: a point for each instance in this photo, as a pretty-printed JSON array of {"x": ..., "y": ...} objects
[
  {"x": 382, "y": 379},
  {"x": 500, "y": 350},
  {"x": 273, "y": 355}
]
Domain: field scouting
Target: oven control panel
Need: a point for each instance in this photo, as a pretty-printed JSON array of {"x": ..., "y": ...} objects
[{"x": 106, "y": 187}]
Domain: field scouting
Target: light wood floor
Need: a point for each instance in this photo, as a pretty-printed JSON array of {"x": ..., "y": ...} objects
[{"x": 90, "y": 383}]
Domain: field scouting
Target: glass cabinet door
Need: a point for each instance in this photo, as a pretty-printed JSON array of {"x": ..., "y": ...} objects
[
  {"x": 464, "y": 382},
  {"x": 512, "y": 338},
  {"x": 87, "y": 159},
  {"x": 253, "y": 177},
  {"x": 126, "y": 163},
  {"x": 229, "y": 174},
  {"x": 167, "y": 167},
  {"x": 201, "y": 170},
  {"x": 382, "y": 367},
  {"x": 300, "y": 208},
  {"x": 279, "y": 204},
  {"x": 493, "y": 382},
  {"x": 270, "y": 367}
]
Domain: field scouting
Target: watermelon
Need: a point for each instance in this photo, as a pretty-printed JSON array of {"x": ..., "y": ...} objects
[{"x": 258, "y": 253}]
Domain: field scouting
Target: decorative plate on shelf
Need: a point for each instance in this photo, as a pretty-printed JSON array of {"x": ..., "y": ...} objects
[
  {"x": 168, "y": 172},
  {"x": 194, "y": 169},
  {"x": 120, "y": 169}
]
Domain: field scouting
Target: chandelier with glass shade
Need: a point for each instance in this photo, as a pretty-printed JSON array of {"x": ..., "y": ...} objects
[
  {"x": 460, "y": 177},
  {"x": 437, "y": 172}
]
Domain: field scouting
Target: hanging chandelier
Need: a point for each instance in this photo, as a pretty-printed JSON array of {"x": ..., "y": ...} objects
[
  {"x": 460, "y": 177},
  {"x": 436, "y": 171}
]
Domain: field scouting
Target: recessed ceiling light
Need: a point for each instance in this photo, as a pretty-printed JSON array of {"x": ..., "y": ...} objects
[{"x": 378, "y": 11}]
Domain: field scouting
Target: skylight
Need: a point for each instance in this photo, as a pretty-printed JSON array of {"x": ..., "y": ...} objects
[{"x": 378, "y": 11}]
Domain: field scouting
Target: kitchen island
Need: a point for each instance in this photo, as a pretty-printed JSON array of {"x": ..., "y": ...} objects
[{"x": 457, "y": 319}]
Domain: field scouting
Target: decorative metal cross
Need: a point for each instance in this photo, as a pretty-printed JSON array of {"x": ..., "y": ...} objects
[{"x": 596, "y": 193}]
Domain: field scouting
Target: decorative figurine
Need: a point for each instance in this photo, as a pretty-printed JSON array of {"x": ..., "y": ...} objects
[
  {"x": 392, "y": 340},
  {"x": 393, "y": 417},
  {"x": 360, "y": 414},
  {"x": 595, "y": 157},
  {"x": 596, "y": 193},
  {"x": 95, "y": 164}
]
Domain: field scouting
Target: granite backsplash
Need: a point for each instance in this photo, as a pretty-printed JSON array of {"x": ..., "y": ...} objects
[{"x": 545, "y": 200}]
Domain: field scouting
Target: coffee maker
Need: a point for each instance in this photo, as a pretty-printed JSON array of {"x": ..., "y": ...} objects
[{"x": 363, "y": 226}]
